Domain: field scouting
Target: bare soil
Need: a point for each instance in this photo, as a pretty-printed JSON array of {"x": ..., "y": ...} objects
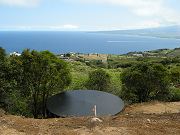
[{"x": 139, "y": 119}]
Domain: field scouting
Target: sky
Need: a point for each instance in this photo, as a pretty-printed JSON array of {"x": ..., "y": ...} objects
[{"x": 87, "y": 15}]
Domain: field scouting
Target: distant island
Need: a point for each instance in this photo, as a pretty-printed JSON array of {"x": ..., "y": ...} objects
[{"x": 160, "y": 32}]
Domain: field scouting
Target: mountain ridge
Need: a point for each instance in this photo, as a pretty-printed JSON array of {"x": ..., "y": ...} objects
[{"x": 161, "y": 32}]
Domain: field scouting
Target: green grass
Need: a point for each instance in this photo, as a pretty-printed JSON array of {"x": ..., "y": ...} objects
[
  {"x": 116, "y": 84},
  {"x": 80, "y": 73}
]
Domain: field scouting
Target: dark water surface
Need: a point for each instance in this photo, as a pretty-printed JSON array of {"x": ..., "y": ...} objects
[{"x": 82, "y": 102}]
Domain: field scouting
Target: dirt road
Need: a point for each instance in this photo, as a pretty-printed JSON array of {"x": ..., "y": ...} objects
[{"x": 135, "y": 120}]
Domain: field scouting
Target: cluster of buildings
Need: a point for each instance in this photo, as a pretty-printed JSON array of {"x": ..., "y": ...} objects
[{"x": 84, "y": 57}]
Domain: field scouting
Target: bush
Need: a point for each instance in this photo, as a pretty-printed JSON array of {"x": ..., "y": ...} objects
[
  {"x": 32, "y": 78},
  {"x": 175, "y": 94},
  {"x": 98, "y": 80},
  {"x": 144, "y": 82}
]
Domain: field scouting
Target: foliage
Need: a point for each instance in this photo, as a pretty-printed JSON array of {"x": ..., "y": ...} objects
[
  {"x": 18, "y": 104},
  {"x": 175, "y": 94},
  {"x": 175, "y": 75},
  {"x": 96, "y": 64},
  {"x": 98, "y": 80},
  {"x": 27, "y": 81},
  {"x": 67, "y": 55},
  {"x": 35, "y": 76},
  {"x": 115, "y": 83},
  {"x": 170, "y": 60},
  {"x": 79, "y": 72},
  {"x": 120, "y": 61},
  {"x": 144, "y": 82},
  {"x": 175, "y": 80},
  {"x": 3, "y": 71},
  {"x": 80, "y": 75}
]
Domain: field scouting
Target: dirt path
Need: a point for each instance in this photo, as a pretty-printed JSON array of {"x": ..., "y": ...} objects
[
  {"x": 135, "y": 120},
  {"x": 154, "y": 108}
]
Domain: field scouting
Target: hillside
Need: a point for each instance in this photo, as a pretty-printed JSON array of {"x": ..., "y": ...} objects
[
  {"x": 139, "y": 119},
  {"x": 162, "y": 32},
  {"x": 158, "y": 53}
]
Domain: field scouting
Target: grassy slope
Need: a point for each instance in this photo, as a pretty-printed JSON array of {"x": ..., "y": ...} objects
[
  {"x": 175, "y": 52},
  {"x": 80, "y": 73}
]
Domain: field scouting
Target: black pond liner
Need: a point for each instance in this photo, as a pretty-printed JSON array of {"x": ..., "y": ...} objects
[{"x": 81, "y": 103}]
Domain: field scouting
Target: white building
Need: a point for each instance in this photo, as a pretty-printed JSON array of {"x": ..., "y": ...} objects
[{"x": 15, "y": 54}]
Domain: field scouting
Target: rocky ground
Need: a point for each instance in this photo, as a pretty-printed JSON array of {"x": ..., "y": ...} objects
[{"x": 139, "y": 119}]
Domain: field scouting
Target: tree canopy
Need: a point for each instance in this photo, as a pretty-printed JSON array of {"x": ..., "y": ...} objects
[
  {"x": 2, "y": 74},
  {"x": 175, "y": 76},
  {"x": 144, "y": 82},
  {"x": 34, "y": 77},
  {"x": 98, "y": 80}
]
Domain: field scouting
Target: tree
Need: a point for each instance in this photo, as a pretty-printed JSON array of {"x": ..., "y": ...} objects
[
  {"x": 175, "y": 76},
  {"x": 67, "y": 55},
  {"x": 175, "y": 81},
  {"x": 98, "y": 80},
  {"x": 36, "y": 76},
  {"x": 2, "y": 75},
  {"x": 144, "y": 82}
]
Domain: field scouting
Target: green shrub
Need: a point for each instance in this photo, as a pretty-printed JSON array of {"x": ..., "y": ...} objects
[
  {"x": 175, "y": 94},
  {"x": 144, "y": 82},
  {"x": 98, "y": 80}
]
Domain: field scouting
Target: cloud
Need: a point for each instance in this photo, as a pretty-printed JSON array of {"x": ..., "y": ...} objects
[
  {"x": 139, "y": 7},
  {"x": 66, "y": 26},
  {"x": 43, "y": 28},
  {"x": 145, "y": 8},
  {"x": 20, "y": 3},
  {"x": 69, "y": 26}
]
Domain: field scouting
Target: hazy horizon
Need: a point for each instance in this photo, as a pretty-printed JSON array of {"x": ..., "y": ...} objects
[{"x": 87, "y": 15}]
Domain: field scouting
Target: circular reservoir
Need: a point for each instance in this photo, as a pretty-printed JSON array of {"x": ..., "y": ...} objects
[{"x": 82, "y": 102}]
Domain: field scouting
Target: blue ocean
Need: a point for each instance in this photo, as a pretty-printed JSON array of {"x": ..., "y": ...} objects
[{"x": 82, "y": 42}]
